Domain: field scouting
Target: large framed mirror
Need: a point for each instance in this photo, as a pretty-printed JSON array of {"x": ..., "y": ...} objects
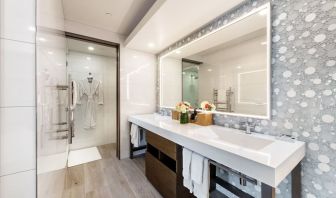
[{"x": 229, "y": 67}]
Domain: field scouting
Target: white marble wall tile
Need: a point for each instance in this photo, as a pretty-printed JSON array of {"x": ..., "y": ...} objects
[
  {"x": 17, "y": 20},
  {"x": 17, "y": 74},
  {"x": 17, "y": 140},
  {"x": 20, "y": 185}
]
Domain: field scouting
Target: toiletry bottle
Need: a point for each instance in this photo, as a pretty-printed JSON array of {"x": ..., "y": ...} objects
[{"x": 194, "y": 115}]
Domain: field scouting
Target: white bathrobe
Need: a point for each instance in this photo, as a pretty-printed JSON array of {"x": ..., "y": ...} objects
[{"x": 90, "y": 94}]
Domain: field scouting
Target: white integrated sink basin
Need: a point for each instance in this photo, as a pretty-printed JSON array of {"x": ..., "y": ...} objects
[
  {"x": 259, "y": 156},
  {"x": 233, "y": 137}
]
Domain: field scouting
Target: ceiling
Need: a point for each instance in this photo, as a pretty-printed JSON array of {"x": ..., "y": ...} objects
[
  {"x": 82, "y": 46},
  {"x": 170, "y": 20},
  {"x": 119, "y": 16},
  {"x": 148, "y": 25}
]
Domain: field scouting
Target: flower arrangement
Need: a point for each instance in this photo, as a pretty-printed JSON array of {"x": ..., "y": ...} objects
[
  {"x": 183, "y": 107},
  {"x": 207, "y": 106}
]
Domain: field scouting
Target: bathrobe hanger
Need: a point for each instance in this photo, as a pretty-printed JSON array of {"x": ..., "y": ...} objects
[{"x": 90, "y": 77}]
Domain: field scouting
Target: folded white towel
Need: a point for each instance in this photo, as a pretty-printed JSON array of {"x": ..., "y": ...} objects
[
  {"x": 201, "y": 190},
  {"x": 135, "y": 135},
  {"x": 186, "y": 155},
  {"x": 197, "y": 168}
]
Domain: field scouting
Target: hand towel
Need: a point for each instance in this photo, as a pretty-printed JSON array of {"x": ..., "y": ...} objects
[
  {"x": 202, "y": 190},
  {"x": 186, "y": 155},
  {"x": 135, "y": 135},
  {"x": 143, "y": 140},
  {"x": 197, "y": 168}
]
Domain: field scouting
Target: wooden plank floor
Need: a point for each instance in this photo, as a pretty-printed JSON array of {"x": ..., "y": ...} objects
[{"x": 108, "y": 177}]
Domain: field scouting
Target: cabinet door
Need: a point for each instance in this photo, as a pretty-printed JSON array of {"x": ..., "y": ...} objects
[
  {"x": 166, "y": 146},
  {"x": 161, "y": 177}
]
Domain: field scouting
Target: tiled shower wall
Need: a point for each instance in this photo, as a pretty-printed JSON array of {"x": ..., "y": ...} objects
[
  {"x": 17, "y": 99},
  {"x": 303, "y": 86}
]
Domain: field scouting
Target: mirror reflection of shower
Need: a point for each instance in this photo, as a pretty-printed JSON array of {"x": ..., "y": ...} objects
[{"x": 190, "y": 81}]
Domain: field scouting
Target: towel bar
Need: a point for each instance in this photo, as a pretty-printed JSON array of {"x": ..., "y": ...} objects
[
  {"x": 132, "y": 148},
  {"x": 240, "y": 175}
]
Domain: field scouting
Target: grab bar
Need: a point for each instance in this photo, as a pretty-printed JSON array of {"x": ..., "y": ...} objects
[
  {"x": 61, "y": 123},
  {"x": 58, "y": 131}
]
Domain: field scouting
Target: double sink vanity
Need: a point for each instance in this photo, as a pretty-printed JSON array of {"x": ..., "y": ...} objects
[
  {"x": 230, "y": 68},
  {"x": 264, "y": 158}
]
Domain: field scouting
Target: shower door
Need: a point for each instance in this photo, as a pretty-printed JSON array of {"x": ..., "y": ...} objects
[{"x": 53, "y": 121}]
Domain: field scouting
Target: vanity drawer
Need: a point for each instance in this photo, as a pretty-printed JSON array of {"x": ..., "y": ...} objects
[
  {"x": 166, "y": 146},
  {"x": 160, "y": 176}
]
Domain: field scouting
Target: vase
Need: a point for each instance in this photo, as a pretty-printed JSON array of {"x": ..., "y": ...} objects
[{"x": 184, "y": 118}]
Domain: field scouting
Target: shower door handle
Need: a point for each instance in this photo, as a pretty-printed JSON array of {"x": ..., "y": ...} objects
[{"x": 70, "y": 110}]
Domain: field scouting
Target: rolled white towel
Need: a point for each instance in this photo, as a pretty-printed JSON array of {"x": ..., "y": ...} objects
[
  {"x": 186, "y": 154},
  {"x": 135, "y": 135}
]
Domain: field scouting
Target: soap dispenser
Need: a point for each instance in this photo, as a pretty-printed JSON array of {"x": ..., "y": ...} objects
[{"x": 194, "y": 115}]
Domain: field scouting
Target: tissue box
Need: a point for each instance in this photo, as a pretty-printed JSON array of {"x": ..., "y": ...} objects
[{"x": 204, "y": 119}]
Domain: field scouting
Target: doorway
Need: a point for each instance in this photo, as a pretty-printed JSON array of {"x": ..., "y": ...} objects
[
  {"x": 93, "y": 66},
  {"x": 71, "y": 70}
]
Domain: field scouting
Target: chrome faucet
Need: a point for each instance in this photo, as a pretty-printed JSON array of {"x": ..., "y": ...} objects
[{"x": 248, "y": 126}]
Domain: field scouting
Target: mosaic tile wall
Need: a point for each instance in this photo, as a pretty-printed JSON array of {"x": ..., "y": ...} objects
[{"x": 303, "y": 86}]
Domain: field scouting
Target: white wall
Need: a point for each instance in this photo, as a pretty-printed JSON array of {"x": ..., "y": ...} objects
[
  {"x": 103, "y": 68},
  {"x": 17, "y": 99},
  {"x": 137, "y": 75},
  {"x": 171, "y": 81}
]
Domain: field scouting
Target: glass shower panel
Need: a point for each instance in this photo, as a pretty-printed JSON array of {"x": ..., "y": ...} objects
[
  {"x": 51, "y": 99},
  {"x": 52, "y": 103}
]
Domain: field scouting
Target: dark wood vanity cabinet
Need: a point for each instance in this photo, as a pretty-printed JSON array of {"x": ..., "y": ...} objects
[{"x": 164, "y": 166}]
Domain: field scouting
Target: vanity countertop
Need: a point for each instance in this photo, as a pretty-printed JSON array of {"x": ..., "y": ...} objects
[{"x": 263, "y": 157}]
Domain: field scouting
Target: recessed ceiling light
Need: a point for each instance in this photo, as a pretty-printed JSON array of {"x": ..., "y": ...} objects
[
  {"x": 42, "y": 39},
  {"x": 209, "y": 70},
  {"x": 32, "y": 28},
  {"x": 178, "y": 51},
  {"x": 263, "y": 12},
  {"x": 50, "y": 53},
  {"x": 238, "y": 67},
  {"x": 151, "y": 44},
  {"x": 135, "y": 56},
  {"x": 91, "y": 48},
  {"x": 88, "y": 58},
  {"x": 263, "y": 43}
]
